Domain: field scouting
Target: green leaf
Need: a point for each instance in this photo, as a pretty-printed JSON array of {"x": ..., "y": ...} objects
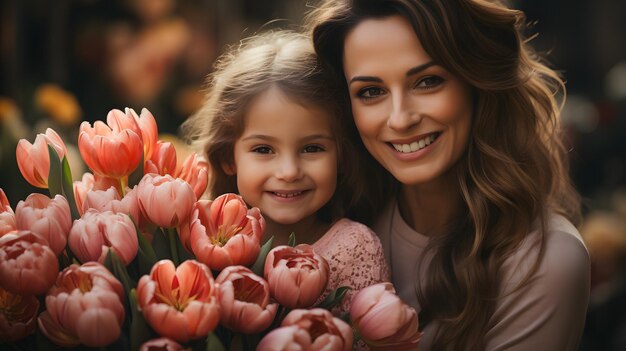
[
  {"x": 139, "y": 330},
  {"x": 146, "y": 255},
  {"x": 161, "y": 245},
  {"x": 135, "y": 177},
  {"x": 213, "y": 343},
  {"x": 119, "y": 270},
  {"x": 333, "y": 298},
  {"x": 259, "y": 265},
  {"x": 292, "y": 239},
  {"x": 68, "y": 187},
  {"x": 55, "y": 185}
]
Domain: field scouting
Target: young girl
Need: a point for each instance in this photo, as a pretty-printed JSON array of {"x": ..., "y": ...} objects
[{"x": 272, "y": 133}]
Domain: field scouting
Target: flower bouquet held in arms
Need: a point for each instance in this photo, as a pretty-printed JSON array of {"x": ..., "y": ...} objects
[{"x": 129, "y": 258}]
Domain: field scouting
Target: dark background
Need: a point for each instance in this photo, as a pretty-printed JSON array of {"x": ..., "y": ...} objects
[{"x": 104, "y": 54}]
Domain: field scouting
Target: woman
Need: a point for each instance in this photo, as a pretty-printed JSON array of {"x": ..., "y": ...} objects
[{"x": 478, "y": 222}]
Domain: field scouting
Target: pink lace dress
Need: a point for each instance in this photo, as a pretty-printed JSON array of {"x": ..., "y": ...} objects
[{"x": 356, "y": 259}]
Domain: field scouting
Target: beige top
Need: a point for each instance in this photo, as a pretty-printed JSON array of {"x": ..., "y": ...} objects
[{"x": 546, "y": 314}]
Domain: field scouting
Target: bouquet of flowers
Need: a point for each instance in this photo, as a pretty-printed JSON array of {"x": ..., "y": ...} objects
[{"x": 131, "y": 258}]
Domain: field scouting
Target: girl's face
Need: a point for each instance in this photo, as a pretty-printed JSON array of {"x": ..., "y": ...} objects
[
  {"x": 286, "y": 158},
  {"x": 413, "y": 115}
]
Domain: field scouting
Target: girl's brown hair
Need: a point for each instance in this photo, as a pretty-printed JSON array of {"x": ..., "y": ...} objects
[
  {"x": 514, "y": 169},
  {"x": 284, "y": 59}
]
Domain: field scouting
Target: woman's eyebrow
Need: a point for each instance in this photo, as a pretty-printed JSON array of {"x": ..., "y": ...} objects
[{"x": 409, "y": 73}]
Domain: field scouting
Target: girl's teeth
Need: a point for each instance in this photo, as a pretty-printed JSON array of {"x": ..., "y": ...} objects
[
  {"x": 287, "y": 195},
  {"x": 416, "y": 145}
]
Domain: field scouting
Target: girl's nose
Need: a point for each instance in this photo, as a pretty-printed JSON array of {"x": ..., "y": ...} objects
[
  {"x": 403, "y": 113},
  {"x": 288, "y": 169}
]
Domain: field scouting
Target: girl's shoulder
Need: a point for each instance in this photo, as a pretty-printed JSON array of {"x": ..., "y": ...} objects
[{"x": 349, "y": 238}]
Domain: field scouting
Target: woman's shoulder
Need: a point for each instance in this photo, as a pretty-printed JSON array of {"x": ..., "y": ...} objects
[{"x": 562, "y": 261}]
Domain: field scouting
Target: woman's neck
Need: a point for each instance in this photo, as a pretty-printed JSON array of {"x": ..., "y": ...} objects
[
  {"x": 307, "y": 231},
  {"x": 430, "y": 208}
]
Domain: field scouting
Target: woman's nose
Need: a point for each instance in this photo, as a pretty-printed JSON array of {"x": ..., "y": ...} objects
[{"x": 403, "y": 113}]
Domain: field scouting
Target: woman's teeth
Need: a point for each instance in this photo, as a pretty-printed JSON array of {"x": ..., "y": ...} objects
[{"x": 416, "y": 145}]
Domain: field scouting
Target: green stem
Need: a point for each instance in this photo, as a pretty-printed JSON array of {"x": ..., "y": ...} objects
[
  {"x": 121, "y": 186},
  {"x": 171, "y": 233}
]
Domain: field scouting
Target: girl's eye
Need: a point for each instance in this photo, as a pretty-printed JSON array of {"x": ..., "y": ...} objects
[
  {"x": 262, "y": 150},
  {"x": 429, "y": 82},
  {"x": 312, "y": 148},
  {"x": 370, "y": 93}
]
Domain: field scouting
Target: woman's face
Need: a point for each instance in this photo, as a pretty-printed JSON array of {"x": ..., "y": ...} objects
[{"x": 413, "y": 115}]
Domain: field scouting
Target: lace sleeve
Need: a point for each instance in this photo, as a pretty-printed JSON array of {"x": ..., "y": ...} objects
[{"x": 356, "y": 259}]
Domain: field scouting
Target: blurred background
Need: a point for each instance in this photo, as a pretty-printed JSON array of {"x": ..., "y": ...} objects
[{"x": 67, "y": 61}]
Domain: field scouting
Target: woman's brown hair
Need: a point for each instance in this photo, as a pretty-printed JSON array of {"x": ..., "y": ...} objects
[
  {"x": 284, "y": 59},
  {"x": 514, "y": 170}
]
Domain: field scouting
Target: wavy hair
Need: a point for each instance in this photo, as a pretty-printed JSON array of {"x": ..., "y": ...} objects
[
  {"x": 280, "y": 58},
  {"x": 514, "y": 170}
]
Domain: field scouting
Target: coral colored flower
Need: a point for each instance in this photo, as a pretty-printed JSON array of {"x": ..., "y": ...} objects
[
  {"x": 224, "y": 232},
  {"x": 18, "y": 315},
  {"x": 51, "y": 218},
  {"x": 165, "y": 201},
  {"x": 297, "y": 275},
  {"x": 179, "y": 303},
  {"x": 382, "y": 320},
  {"x": 27, "y": 265},
  {"x": 162, "y": 344},
  {"x": 33, "y": 160},
  {"x": 90, "y": 182},
  {"x": 114, "y": 149},
  {"x": 314, "y": 329},
  {"x": 85, "y": 306},
  {"x": 163, "y": 160},
  {"x": 195, "y": 171},
  {"x": 7, "y": 216},
  {"x": 95, "y": 233},
  {"x": 244, "y": 299}
]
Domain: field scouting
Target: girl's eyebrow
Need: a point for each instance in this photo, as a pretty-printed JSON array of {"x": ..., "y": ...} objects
[
  {"x": 409, "y": 73},
  {"x": 271, "y": 138}
]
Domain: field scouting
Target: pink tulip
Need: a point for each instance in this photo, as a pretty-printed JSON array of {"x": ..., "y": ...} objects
[
  {"x": 95, "y": 233},
  {"x": 7, "y": 216},
  {"x": 297, "y": 275},
  {"x": 163, "y": 160},
  {"x": 165, "y": 201},
  {"x": 195, "y": 171},
  {"x": 89, "y": 183},
  {"x": 114, "y": 149},
  {"x": 244, "y": 300},
  {"x": 224, "y": 232},
  {"x": 179, "y": 303},
  {"x": 99, "y": 199},
  {"x": 314, "y": 329},
  {"x": 85, "y": 306},
  {"x": 50, "y": 218},
  {"x": 27, "y": 265},
  {"x": 18, "y": 315},
  {"x": 382, "y": 320},
  {"x": 162, "y": 344},
  {"x": 149, "y": 131},
  {"x": 33, "y": 160},
  {"x": 286, "y": 339}
]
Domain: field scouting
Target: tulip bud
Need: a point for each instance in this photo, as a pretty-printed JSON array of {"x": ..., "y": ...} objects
[
  {"x": 383, "y": 320},
  {"x": 51, "y": 218},
  {"x": 297, "y": 275}
]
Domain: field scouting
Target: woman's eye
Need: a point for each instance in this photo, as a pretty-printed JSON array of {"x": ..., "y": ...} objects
[
  {"x": 312, "y": 148},
  {"x": 429, "y": 82},
  {"x": 262, "y": 150},
  {"x": 370, "y": 93}
]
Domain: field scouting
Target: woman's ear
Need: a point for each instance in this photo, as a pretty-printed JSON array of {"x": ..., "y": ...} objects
[{"x": 229, "y": 168}]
